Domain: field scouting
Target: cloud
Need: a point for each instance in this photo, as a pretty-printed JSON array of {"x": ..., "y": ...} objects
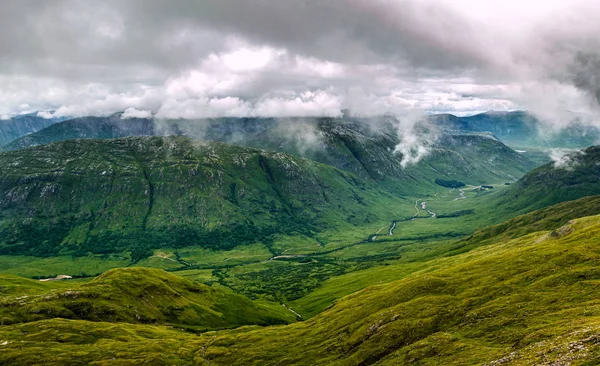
[
  {"x": 5, "y": 117},
  {"x": 282, "y": 57},
  {"x": 45, "y": 114},
  {"x": 565, "y": 158},
  {"x": 136, "y": 113},
  {"x": 307, "y": 104},
  {"x": 416, "y": 137}
]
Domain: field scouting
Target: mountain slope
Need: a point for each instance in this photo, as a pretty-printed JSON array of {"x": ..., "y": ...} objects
[
  {"x": 19, "y": 126},
  {"x": 578, "y": 176},
  {"x": 134, "y": 194},
  {"x": 521, "y": 129},
  {"x": 85, "y": 127},
  {"x": 365, "y": 147},
  {"x": 141, "y": 295},
  {"x": 529, "y": 300}
]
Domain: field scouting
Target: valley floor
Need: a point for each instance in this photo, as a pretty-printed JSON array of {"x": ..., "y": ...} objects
[{"x": 306, "y": 273}]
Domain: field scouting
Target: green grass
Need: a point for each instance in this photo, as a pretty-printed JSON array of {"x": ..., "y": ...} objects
[
  {"x": 213, "y": 258},
  {"x": 465, "y": 309},
  {"x": 531, "y": 299},
  {"x": 28, "y": 266},
  {"x": 136, "y": 295}
]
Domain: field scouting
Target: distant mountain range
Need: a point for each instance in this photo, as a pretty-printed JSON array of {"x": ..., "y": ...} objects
[
  {"x": 521, "y": 129},
  {"x": 19, "y": 126},
  {"x": 513, "y": 128}
]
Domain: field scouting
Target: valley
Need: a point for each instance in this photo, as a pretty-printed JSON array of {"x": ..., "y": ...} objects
[
  {"x": 288, "y": 238},
  {"x": 303, "y": 183}
]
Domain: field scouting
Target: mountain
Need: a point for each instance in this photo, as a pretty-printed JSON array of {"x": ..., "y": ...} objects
[
  {"x": 365, "y": 147},
  {"x": 85, "y": 127},
  {"x": 521, "y": 129},
  {"x": 139, "y": 193},
  {"x": 576, "y": 175},
  {"x": 531, "y": 299},
  {"x": 22, "y": 125},
  {"x": 140, "y": 296}
]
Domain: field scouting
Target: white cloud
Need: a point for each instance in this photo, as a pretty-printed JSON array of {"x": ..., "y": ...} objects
[
  {"x": 5, "y": 117},
  {"x": 307, "y": 104},
  {"x": 45, "y": 114},
  {"x": 565, "y": 158},
  {"x": 203, "y": 107},
  {"x": 136, "y": 113}
]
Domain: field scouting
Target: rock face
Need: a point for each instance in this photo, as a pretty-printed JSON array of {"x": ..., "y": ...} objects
[{"x": 106, "y": 196}]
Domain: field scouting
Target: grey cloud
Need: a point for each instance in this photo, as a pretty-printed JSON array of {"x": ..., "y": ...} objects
[{"x": 84, "y": 57}]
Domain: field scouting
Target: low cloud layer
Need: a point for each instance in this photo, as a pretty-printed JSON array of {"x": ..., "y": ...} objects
[
  {"x": 565, "y": 158},
  {"x": 190, "y": 59}
]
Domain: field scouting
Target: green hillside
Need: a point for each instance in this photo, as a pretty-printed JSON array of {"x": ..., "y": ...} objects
[
  {"x": 135, "y": 295},
  {"x": 549, "y": 184},
  {"x": 135, "y": 194},
  {"x": 364, "y": 147},
  {"x": 528, "y": 300}
]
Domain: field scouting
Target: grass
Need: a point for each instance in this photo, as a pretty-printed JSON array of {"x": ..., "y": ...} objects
[
  {"x": 137, "y": 295},
  {"x": 303, "y": 282},
  {"x": 28, "y": 266},
  {"x": 530, "y": 299}
]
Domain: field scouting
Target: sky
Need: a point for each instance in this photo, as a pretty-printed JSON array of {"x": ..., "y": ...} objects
[{"x": 279, "y": 58}]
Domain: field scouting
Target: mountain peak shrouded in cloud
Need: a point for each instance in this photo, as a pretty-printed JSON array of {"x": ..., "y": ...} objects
[{"x": 189, "y": 59}]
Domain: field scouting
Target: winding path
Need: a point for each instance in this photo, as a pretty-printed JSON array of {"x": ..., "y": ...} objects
[{"x": 392, "y": 228}]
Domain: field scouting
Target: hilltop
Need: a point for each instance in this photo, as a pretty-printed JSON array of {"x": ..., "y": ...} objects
[
  {"x": 21, "y": 125},
  {"x": 140, "y": 296},
  {"x": 522, "y": 129}
]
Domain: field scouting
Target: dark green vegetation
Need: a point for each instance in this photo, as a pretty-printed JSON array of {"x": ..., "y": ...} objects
[
  {"x": 531, "y": 299},
  {"x": 449, "y": 183},
  {"x": 137, "y": 194},
  {"x": 135, "y": 295}
]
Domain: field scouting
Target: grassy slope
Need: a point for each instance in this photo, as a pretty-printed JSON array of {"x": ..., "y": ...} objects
[
  {"x": 529, "y": 299},
  {"x": 548, "y": 185},
  {"x": 135, "y": 295},
  {"x": 420, "y": 254},
  {"x": 109, "y": 196},
  {"x": 461, "y": 310}
]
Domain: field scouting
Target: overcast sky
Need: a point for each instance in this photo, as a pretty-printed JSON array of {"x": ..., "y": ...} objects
[{"x": 209, "y": 58}]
